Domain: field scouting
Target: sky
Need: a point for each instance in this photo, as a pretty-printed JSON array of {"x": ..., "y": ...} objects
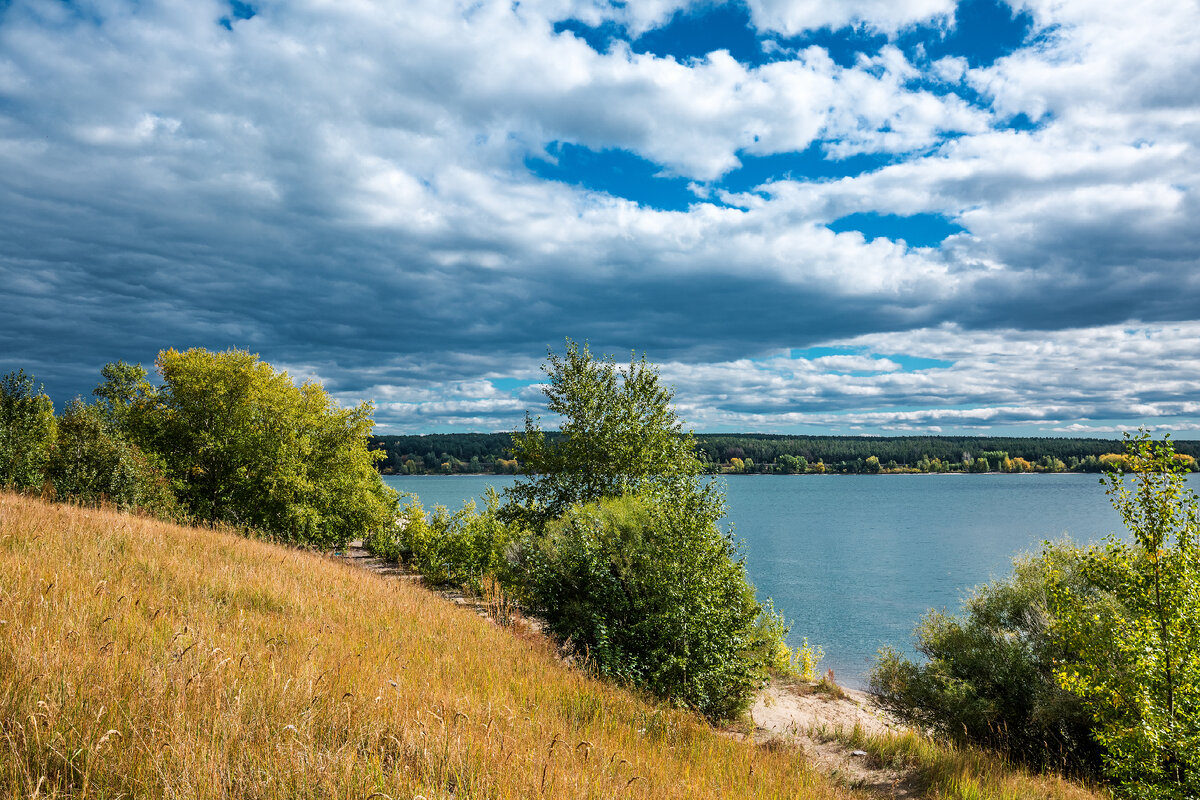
[{"x": 878, "y": 217}]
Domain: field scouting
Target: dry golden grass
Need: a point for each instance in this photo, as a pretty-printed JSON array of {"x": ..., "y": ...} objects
[
  {"x": 141, "y": 659},
  {"x": 964, "y": 772}
]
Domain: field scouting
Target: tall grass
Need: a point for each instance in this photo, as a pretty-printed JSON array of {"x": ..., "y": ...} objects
[
  {"x": 142, "y": 659},
  {"x": 963, "y": 773}
]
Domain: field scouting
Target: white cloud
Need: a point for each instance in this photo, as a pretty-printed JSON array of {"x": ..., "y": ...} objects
[
  {"x": 793, "y": 17},
  {"x": 343, "y": 186},
  {"x": 855, "y": 364},
  {"x": 1100, "y": 380}
]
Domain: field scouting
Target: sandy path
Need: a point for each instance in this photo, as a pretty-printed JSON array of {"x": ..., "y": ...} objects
[{"x": 809, "y": 720}]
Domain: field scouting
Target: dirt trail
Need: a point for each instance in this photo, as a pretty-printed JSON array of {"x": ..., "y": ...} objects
[
  {"x": 809, "y": 719},
  {"x": 782, "y": 714}
]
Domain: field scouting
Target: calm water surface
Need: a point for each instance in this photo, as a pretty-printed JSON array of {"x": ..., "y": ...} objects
[{"x": 856, "y": 560}]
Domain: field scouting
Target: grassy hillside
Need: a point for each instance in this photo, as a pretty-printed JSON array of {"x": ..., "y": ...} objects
[{"x": 142, "y": 659}]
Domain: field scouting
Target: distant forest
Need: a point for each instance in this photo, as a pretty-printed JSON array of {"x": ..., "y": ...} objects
[{"x": 465, "y": 453}]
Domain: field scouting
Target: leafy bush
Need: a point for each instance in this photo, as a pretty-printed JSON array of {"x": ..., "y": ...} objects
[
  {"x": 460, "y": 548},
  {"x": 90, "y": 464},
  {"x": 26, "y": 432},
  {"x": 243, "y": 445},
  {"x": 1134, "y": 637},
  {"x": 656, "y": 595},
  {"x": 991, "y": 675},
  {"x": 620, "y": 548},
  {"x": 1086, "y": 657}
]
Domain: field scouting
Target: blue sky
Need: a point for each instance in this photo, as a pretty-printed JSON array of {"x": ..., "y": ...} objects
[{"x": 913, "y": 216}]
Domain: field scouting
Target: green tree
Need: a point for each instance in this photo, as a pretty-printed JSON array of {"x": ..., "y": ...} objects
[
  {"x": 620, "y": 435},
  {"x": 243, "y": 445},
  {"x": 872, "y": 465},
  {"x": 123, "y": 391},
  {"x": 26, "y": 432},
  {"x": 989, "y": 676},
  {"x": 1135, "y": 634},
  {"x": 627, "y": 557},
  {"x": 91, "y": 463},
  {"x": 790, "y": 465},
  {"x": 652, "y": 591}
]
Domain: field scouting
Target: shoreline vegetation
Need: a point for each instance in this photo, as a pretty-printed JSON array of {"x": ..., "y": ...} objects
[{"x": 768, "y": 454}]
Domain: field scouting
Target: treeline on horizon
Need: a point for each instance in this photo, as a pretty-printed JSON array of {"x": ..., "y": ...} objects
[{"x": 752, "y": 453}]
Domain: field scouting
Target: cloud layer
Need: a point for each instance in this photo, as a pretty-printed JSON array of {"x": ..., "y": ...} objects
[{"x": 346, "y": 189}]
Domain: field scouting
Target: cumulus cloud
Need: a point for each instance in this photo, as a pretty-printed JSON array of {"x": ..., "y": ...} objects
[
  {"x": 793, "y": 17},
  {"x": 1086, "y": 381},
  {"x": 343, "y": 188}
]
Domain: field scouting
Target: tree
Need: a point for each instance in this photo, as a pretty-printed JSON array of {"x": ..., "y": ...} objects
[
  {"x": 123, "y": 389},
  {"x": 1135, "y": 635},
  {"x": 245, "y": 446},
  {"x": 650, "y": 589},
  {"x": 619, "y": 435},
  {"x": 26, "y": 432},
  {"x": 626, "y": 556},
  {"x": 91, "y": 463},
  {"x": 989, "y": 676},
  {"x": 790, "y": 465}
]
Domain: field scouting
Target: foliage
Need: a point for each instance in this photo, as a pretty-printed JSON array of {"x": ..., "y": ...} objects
[
  {"x": 619, "y": 435},
  {"x": 807, "y": 660},
  {"x": 625, "y": 556},
  {"x": 245, "y": 446},
  {"x": 1135, "y": 639},
  {"x": 990, "y": 676},
  {"x": 803, "y": 663},
  {"x": 790, "y": 465},
  {"x": 89, "y": 464},
  {"x": 26, "y": 432},
  {"x": 462, "y": 548},
  {"x": 780, "y": 453},
  {"x": 655, "y": 594},
  {"x": 849, "y": 453},
  {"x": 119, "y": 395}
]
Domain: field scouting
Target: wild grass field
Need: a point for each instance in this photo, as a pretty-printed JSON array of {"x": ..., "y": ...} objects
[{"x": 143, "y": 659}]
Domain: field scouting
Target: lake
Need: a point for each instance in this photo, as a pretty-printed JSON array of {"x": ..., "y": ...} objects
[{"x": 855, "y": 560}]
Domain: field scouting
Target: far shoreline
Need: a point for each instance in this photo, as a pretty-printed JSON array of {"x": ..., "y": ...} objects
[{"x": 955, "y": 473}]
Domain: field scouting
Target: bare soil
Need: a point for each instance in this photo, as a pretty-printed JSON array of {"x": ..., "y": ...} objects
[{"x": 800, "y": 715}]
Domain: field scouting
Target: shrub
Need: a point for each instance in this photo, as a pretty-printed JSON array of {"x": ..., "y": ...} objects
[
  {"x": 656, "y": 595},
  {"x": 26, "y": 432},
  {"x": 1086, "y": 656},
  {"x": 461, "y": 548},
  {"x": 1134, "y": 639},
  {"x": 990, "y": 677},
  {"x": 243, "y": 445},
  {"x": 91, "y": 464}
]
